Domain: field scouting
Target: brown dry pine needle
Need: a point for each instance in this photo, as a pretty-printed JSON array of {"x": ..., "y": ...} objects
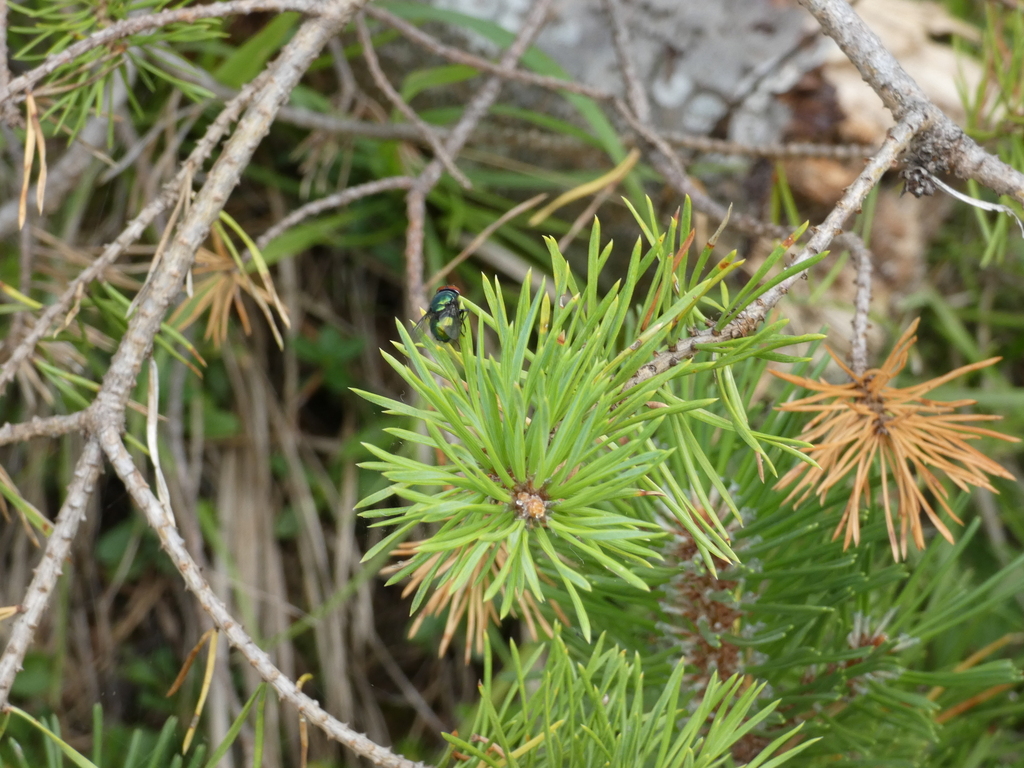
[
  {"x": 867, "y": 422},
  {"x": 469, "y": 599}
]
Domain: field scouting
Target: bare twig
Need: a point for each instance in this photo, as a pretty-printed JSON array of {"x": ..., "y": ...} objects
[
  {"x": 297, "y": 116},
  {"x": 58, "y": 547},
  {"x": 25, "y": 264},
  {"x": 5, "y": 71},
  {"x": 15, "y": 89},
  {"x": 319, "y": 121},
  {"x": 862, "y": 306},
  {"x": 52, "y": 426},
  {"x": 173, "y": 544},
  {"x": 747, "y": 321},
  {"x": 348, "y": 89},
  {"x": 782, "y": 151},
  {"x": 416, "y": 211},
  {"x": 416, "y": 200},
  {"x": 409, "y": 691},
  {"x": 337, "y": 200},
  {"x": 635, "y": 92},
  {"x": 188, "y": 115},
  {"x": 667, "y": 163},
  {"x": 663, "y": 157},
  {"x": 398, "y": 102},
  {"x": 307, "y": 118},
  {"x": 943, "y": 146}
]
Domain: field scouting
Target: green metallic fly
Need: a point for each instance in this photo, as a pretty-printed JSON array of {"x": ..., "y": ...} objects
[{"x": 445, "y": 315}]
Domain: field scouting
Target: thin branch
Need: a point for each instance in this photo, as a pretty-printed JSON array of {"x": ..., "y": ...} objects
[
  {"x": 416, "y": 200},
  {"x": 458, "y": 56},
  {"x": 415, "y": 212},
  {"x": 8, "y": 115},
  {"x": 780, "y": 151},
  {"x": 426, "y": 131},
  {"x": 748, "y": 320},
  {"x": 409, "y": 691},
  {"x": 58, "y": 548},
  {"x": 667, "y": 163},
  {"x": 481, "y": 238},
  {"x": 297, "y": 116},
  {"x": 52, "y": 426},
  {"x": 5, "y": 71},
  {"x": 173, "y": 544},
  {"x": 348, "y": 89},
  {"x": 665, "y": 159},
  {"x": 337, "y": 200},
  {"x": 943, "y": 146},
  {"x": 132, "y": 232},
  {"x": 187, "y": 115},
  {"x": 662, "y": 156},
  {"x": 26, "y": 261},
  {"x": 586, "y": 216},
  {"x": 862, "y": 305},
  {"x": 635, "y": 91},
  {"x": 138, "y": 24}
]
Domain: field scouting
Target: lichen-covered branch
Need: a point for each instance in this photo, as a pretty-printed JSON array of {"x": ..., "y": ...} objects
[
  {"x": 861, "y": 308},
  {"x": 943, "y": 147},
  {"x": 174, "y": 545},
  {"x": 52, "y": 426},
  {"x": 58, "y": 548},
  {"x": 748, "y": 320}
]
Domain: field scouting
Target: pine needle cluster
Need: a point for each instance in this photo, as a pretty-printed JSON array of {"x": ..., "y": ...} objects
[{"x": 869, "y": 425}]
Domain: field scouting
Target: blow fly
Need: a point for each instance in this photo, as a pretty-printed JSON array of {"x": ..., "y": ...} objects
[{"x": 445, "y": 315}]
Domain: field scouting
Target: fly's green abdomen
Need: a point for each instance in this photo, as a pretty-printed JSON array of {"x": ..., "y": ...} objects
[
  {"x": 444, "y": 317},
  {"x": 445, "y": 328}
]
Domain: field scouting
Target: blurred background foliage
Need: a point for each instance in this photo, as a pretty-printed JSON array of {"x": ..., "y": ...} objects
[{"x": 263, "y": 443}]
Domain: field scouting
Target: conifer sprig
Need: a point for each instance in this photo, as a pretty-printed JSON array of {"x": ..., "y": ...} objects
[
  {"x": 597, "y": 711},
  {"x": 549, "y": 477}
]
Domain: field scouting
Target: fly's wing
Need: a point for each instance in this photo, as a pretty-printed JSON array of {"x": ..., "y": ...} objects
[
  {"x": 422, "y": 326},
  {"x": 447, "y": 324}
]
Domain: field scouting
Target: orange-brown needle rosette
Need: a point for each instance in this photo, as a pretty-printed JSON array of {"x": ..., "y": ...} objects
[{"x": 868, "y": 423}]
